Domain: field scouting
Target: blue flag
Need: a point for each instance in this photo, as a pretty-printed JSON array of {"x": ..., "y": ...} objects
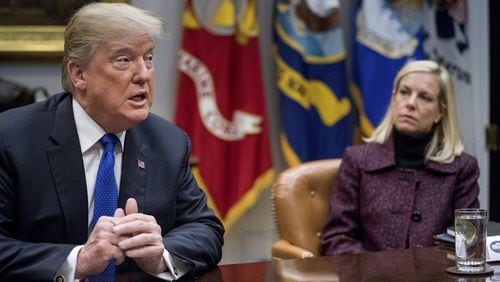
[
  {"x": 448, "y": 44},
  {"x": 386, "y": 35},
  {"x": 316, "y": 110}
]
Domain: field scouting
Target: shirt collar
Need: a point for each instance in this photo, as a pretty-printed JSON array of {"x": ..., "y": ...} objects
[{"x": 89, "y": 132}]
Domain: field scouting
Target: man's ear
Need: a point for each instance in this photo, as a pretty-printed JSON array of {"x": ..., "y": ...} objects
[{"x": 77, "y": 75}]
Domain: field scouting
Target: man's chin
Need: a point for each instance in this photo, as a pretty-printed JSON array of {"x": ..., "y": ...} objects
[
  {"x": 139, "y": 116},
  {"x": 133, "y": 118}
]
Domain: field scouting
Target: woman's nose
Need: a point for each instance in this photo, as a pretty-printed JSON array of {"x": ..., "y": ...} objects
[{"x": 412, "y": 100}]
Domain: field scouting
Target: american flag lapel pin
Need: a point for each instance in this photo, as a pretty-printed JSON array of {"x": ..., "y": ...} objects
[{"x": 140, "y": 164}]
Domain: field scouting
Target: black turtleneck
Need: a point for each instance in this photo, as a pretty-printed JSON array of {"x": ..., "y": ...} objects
[{"x": 410, "y": 151}]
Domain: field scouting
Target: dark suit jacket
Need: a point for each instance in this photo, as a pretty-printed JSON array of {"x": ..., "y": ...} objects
[
  {"x": 377, "y": 206},
  {"x": 43, "y": 194}
]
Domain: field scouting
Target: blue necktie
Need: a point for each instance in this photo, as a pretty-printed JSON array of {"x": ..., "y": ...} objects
[{"x": 106, "y": 195}]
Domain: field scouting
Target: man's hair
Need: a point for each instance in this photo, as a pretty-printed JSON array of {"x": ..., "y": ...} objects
[
  {"x": 96, "y": 24},
  {"x": 445, "y": 144}
]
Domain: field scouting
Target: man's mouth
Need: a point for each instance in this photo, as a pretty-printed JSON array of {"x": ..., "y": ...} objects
[{"x": 138, "y": 97}]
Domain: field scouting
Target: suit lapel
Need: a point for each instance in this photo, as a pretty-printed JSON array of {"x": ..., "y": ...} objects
[
  {"x": 134, "y": 169},
  {"x": 68, "y": 173}
]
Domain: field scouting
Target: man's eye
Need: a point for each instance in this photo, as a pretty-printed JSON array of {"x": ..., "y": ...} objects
[
  {"x": 123, "y": 60},
  {"x": 149, "y": 60}
]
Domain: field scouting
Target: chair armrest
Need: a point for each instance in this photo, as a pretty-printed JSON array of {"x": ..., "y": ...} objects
[{"x": 282, "y": 249}]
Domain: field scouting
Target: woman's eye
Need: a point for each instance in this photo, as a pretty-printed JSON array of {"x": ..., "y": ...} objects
[
  {"x": 404, "y": 91},
  {"x": 426, "y": 98}
]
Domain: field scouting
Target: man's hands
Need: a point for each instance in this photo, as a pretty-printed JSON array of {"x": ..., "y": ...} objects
[
  {"x": 144, "y": 242},
  {"x": 127, "y": 234},
  {"x": 101, "y": 246}
]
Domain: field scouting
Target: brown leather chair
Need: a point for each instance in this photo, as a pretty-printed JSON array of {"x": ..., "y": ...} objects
[{"x": 300, "y": 198}]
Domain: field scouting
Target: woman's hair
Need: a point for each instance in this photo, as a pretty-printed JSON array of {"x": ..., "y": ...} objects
[
  {"x": 99, "y": 23},
  {"x": 445, "y": 144}
]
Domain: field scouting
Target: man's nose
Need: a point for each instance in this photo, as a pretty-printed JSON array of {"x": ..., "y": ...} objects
[{"x": 142, "y": 72}]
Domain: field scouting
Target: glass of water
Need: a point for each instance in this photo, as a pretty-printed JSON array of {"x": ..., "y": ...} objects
[{"x": 470, "y": 240}]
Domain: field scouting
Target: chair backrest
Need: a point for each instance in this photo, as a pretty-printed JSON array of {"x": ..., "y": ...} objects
[{"x": 300, "y": 199}]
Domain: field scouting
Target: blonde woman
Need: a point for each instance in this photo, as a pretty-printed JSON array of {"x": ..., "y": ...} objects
[{"x": 402, "y": 186}]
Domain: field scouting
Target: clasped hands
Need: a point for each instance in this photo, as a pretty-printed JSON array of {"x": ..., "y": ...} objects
[{"x": 127, "y": 234}]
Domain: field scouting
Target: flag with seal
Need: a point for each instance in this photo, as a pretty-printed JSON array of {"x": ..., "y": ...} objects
[
  {"x": 317, "y": 117},
  {"x": 387, "y": 34},
  {"x": 448, "y": 44},
  {"x": 220, "y": 104}
]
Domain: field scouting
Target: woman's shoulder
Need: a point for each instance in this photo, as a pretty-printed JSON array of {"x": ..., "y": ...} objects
[
  {"x": 466, "y": 159},
  {"x": 370, "y": 155},
  {"x": 366, "y": 148},
  {"x": 459, "y": 163},
  {"x": 360, "y": 147},
  {"x": 355, "y": 151}
]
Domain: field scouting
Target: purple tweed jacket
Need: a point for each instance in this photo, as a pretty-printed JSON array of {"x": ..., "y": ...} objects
[{"x": 377, "y": 206}]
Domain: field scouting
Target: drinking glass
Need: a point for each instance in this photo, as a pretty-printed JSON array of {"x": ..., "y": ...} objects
[{"x": 470, "y": 240}]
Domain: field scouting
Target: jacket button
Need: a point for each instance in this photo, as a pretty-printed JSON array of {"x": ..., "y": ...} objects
[{"x": 416, "y": 216}]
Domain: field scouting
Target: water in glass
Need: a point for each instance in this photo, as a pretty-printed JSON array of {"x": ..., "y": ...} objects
[{"x": 470, "y": 241}]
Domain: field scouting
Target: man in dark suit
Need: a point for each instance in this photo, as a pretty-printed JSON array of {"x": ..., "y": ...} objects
[{"x": 49, "y": 161}]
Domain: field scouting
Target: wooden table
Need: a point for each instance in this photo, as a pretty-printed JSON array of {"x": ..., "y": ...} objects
[{"x": 414, "y": 265}]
